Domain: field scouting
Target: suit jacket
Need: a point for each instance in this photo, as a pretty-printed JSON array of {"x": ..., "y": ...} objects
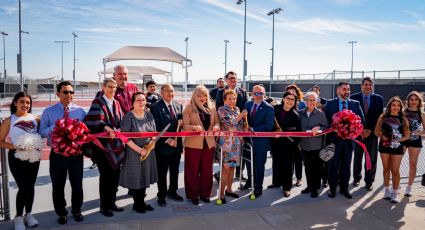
[
  {"x": 263, "y": 121},
  {"x": 240, "y": 101},
  {"x": 332, "y": 107},
  {"x": 190, "y": 119},
  {"x": 376, "y": 108},
  {"x": 162, "y": 117}
]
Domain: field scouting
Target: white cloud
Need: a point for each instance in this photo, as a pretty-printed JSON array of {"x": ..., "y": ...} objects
[
  {"x": 347, "y": 2},
  {"x": 112, "y": 29},
  {"x": 238, "y": 9},
  {"x": 413, "y": 14},
  {"x": 9, "y": 9},
  {"x": 324, "y": 26},
  {"x": 394, "y": 47}
]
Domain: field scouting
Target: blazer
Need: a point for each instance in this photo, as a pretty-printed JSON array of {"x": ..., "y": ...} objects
[
  {"x": 332, "y": 107},
  {"x": 190, "y": 119},
  {"x": 316, "y": 118},
  {"x": 162, "y": 117},
  {"x": 376, "y": 108},
  {"x": 263, "y": 121},
  {"x": 240, "y": 100}
]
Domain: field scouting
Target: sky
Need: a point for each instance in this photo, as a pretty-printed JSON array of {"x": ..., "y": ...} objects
[{"x": 311, "y": 36}]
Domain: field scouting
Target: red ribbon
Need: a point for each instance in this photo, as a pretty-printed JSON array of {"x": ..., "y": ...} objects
[{"x": 367, "y": 156}]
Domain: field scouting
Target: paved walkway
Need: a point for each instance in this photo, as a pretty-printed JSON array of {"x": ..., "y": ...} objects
[{"x": 367, "y": 210}]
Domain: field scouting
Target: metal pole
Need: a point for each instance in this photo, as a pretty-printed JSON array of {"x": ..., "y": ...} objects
[
  {"x": 187, "y": 74},
  {"x": 73, "y": 72},
  {"x": 244, "y": 51},
  {"x": 271, "y": 68},
  {"x": 4, "y": 54},
  {"x": 225, "y": 56},
  {"x": 352, "y": 58},
  {"x": 21, "y": 79},
  {"x": 61, "y": 43},
  {"x": 5, "y": 182}
]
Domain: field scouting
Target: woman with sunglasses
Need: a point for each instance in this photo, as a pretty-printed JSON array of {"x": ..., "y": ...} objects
[
  {"x": 25, "y": 172},
  {"x": 285, "y": 148}
]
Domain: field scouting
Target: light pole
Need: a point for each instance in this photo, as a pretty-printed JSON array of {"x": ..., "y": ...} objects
[
  {"x": 4, "y": 53},
  {"x": 73, "y": 72},
  {"x": 352, "y": 58},
  {"x": 239, "y": 2},
  {"x": 187, "y": 74},
  {"x": 19, "y": 58},
  {"x": 61, "y": 43},
  {"x": 272, "y": 12},
  {"x": 225, "y": 56}
]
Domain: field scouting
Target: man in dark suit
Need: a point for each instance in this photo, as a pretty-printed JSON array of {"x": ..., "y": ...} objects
[
  {"x": 231, "y": 80},
  {"x": 167, "y": 150},
  {"x": 220, "y": 85},
  {"x": 339, "y": 169},
  {"x": 260, "y": 119},
  {"x": 372, "y": 105}
]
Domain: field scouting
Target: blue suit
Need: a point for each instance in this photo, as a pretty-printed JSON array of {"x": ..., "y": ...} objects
[
  {"x": 339, "y": 168},
  {"x": 263, "y": 121}
]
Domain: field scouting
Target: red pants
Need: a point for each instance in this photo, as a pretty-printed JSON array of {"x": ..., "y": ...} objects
[{"x": 198, "y": 164}]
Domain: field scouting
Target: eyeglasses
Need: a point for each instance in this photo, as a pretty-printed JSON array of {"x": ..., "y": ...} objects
[
  {"x": 68, "y": 92},
  {"x": 231, "y": 78},
  {"x": 289, "y": 99},
  {"x": 258, "y": 94}
]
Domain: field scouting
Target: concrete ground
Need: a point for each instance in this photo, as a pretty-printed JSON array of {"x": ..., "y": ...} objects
[{"x": 367, "y": 210}]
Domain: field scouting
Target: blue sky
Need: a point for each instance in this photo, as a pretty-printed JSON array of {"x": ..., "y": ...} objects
[{"x": 311, "y": 35}]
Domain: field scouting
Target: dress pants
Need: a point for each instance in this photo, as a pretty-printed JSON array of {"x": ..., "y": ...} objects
[
  {"x": 340, "y": 165},
  {"x": 164, "y": 164},
  {"x": 108, "y": 181},
  {"x": 25, "y": 174},
  {"x": 298, "y": 164},
  {"x": 60, "y": 166},
  {"x": 371, "y": 143},
  {"x": 260, "y": 158},
  {"x": 138, "y": 197},
  {"x": 276, "y": 170},
  {"x": 313, "y": 168},
  {"x": 198, "y": 164}
]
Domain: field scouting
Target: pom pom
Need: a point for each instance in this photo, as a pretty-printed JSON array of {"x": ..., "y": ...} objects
[{"x": 29, "y": 147}]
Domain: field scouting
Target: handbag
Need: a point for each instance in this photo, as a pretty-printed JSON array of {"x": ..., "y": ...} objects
[{"x": 327, "y": 152}]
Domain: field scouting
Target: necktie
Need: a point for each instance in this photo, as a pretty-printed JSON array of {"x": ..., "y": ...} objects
[
  {"x": 173, "y": 116},
  {"x": 254, "y": 111},
  {"x": 344, "y": 106},
  {"x": 66, "y": 112},
  {"x": 365, "y": 104}
]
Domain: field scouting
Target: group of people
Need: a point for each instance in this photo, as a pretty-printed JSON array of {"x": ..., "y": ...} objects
[{"x": 121, "y": 106}]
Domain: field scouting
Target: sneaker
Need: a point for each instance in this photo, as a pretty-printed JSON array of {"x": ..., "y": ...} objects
[
  {"x": 387, "y": 194},
  {"x": 30, "y": 221},
  {"x": 408, "y": 191},
  {"x": 394, "y": 197},
  {"x": 19, "y": 223}
]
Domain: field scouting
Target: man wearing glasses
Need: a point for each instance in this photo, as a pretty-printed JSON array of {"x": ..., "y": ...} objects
[
  {"x": 60, "y": 165},
  {"x": 260, "y": 119}
]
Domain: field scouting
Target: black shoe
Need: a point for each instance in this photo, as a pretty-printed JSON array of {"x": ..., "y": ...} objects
[
  {"x": 258, "y": 193},
  {"x": 314, "y": 194},
  {"x": 368, "y": 188},
  {"x": 78, "y": 217},
  {"x": 174, "y": 196},
  {"x": 139, "y": 209},
  {"x": 346, "y": 194},
  {"x": 62, "y": 220},
  {"x": 247, "y": 186},
  {"x": 161, "y": 202},
  {"x": 331, "y": 194},
  {"x": 286, "y": 193},
  {"x": 324, "y": 185},
  {"x": 299, "y": 183},
  {"x": 148, "y": 207},
  {"x": 273, "y": 186},
  {"x": 115, "y": 208},
  {"x": 223, "y": 200},
  {"x": 195, "y": 201},
  {"x": 106, "y": 212},
  {"x": 231, "y": 194},
  {"x": 217, "y": 177},
  {"x": 306, "y": 190},
  {"x": 206, "y": 200},
  {"x": 356, "y": 183}
]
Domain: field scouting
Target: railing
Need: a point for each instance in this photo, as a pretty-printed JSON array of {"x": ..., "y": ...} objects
[{"x": 4, "y": 186}]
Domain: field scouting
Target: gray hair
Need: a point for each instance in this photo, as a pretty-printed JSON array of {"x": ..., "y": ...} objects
[
  {"x": 120, "y": 66},
  {"x": 309, "y": 94},
  {"x": 108, "y": 80}
]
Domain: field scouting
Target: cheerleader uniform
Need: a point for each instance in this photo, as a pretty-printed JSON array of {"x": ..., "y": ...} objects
[
  {"x": 24, "y": 172},
  {"x": 392, "y": 129},
  {"x": 415, "y": 124}
]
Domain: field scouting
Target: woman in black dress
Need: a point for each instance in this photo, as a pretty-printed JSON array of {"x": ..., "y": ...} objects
[
  {"x": 285, "y": 148},
  {"x": 392, "y": 128}
]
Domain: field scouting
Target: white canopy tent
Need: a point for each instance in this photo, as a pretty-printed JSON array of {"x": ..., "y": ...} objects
[{"x": 143, "y": 70}]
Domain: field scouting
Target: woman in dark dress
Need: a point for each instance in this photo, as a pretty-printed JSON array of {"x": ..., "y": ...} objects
[
  {"x": 392, "y": 128},
  {"x": 416, "y": 116},
  {"x": 137, "y": 175},
  {"x": 285, "y": 148}
]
